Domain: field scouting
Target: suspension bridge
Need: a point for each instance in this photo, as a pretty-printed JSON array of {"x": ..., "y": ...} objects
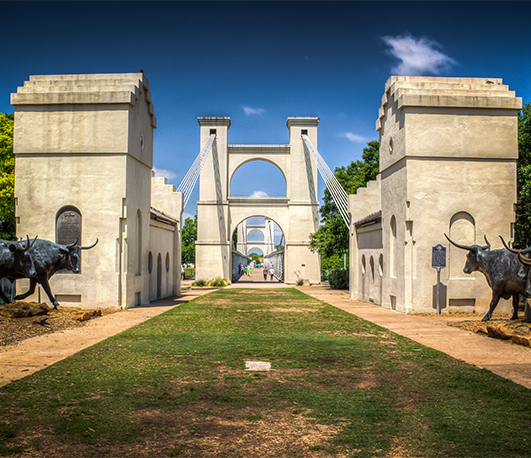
[{"x": 219, "y": 214}]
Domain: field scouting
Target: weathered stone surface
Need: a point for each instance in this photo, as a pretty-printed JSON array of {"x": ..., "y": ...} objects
[{"x": 19, "y": 309}]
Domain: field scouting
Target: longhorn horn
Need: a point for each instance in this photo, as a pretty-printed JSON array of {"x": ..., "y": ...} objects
[
  {"x": 89, "y": 247},
  {"x": 463, "y": 247},
  {"x": 487, "y": 242},
  {"x": 507, "y": 247},
  {"x": 72, "y": 245},
  {"x": 28, "y": 244},
  {"x": 523, "y": 260}
]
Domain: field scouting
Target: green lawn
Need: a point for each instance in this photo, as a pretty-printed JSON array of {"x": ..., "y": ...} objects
[{"x": 339, "y": 387}]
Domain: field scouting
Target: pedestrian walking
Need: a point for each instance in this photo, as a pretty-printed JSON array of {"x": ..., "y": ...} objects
[
  {"x": 182, "y": 272},
  {"x": 271, "y": 272},
  {"x": 265, "y": 273}
]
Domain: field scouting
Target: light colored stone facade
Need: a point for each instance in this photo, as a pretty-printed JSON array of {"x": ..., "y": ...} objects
[
  {"x": 86, "y": 142},
  {"x": 219, "y": 214},
  {"x": 448, "y": 151}
]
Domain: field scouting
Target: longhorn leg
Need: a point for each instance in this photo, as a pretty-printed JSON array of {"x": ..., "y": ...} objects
[
  {"x": 31, "y": 290},
  {"x": 4, "y": 297},
  {"x": 516, "y": 299},
  {"x": 493, "y": 303},
  {"x": 46, "y": 286}
]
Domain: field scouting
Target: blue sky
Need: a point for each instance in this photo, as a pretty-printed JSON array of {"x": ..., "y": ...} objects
[{"x": 261, "y": 62}]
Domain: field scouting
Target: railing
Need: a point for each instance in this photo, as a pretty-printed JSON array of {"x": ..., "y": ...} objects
[
  {"x": 276, "y": 259},
  {"x": 237, "y": 259}
]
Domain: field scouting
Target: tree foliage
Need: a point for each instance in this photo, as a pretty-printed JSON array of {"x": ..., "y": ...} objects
[
  {"x": 7, "y": 178},
  {"x": 332, "y": 237},
  {"x": 189, "y": 236},
  {"x": 253, "y": 257},
  {"x": 522, "y": 236}
]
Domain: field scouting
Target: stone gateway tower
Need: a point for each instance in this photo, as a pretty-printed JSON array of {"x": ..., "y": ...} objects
[
  {"x": 84, "y": 157},
  {"x": 448, "y": 151}
]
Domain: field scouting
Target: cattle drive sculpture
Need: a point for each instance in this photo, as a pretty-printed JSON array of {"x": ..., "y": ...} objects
[
  {"x": 16, "y": 259},
  {"x": 48, "y": 257},
  {"x": 504, "y": 273}
]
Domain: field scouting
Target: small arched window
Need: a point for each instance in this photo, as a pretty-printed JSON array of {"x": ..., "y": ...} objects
[
  {"x": 392, "y": 248},
  {"x": 150, "y": 262},
  {"x": 138, "y": 267}
]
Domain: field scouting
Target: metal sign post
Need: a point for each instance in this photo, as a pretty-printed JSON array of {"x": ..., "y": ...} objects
[{"x": 438, "y": 261}]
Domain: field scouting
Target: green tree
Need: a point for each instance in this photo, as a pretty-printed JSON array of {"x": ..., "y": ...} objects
[
  {"x": 7, "y": 178},
  {"x": 189, "y": 236},
  {"x": 332, "y": 237},
  {"x": 522, "y": 233},
  {"x": 253, "y": 257}
]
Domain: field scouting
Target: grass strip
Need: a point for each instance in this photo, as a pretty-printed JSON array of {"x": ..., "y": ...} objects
[{"x": 176, "y": 385}]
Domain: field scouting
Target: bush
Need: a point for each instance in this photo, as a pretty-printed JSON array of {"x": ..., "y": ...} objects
[
  {"x": 219, "y": 282},
  {"x": 216, "y": 283},
  {"x": 300, "y": 282},
  {"x": 338, "y": 278}
]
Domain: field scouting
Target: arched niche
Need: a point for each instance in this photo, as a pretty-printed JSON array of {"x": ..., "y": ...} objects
[
  {"x": 68, "y": 223},
  {"x": 462, "y": 230},
  {"x": 258, "y": 175},
  {"x": 392, "y": 247}
]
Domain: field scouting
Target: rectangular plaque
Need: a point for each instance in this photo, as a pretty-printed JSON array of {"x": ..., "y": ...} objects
[{"x": 438, "y": 256}]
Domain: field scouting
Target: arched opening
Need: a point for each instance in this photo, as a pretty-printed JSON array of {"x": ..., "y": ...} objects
[
  {"x": 263, "y": 237},
  {"x": 363, "y": 277},
  {"x": 159, "y": 276},
  {"x": 138, "y": 263},
  {"x": 258, "y": 178},
  {"x": 150, "y": 271},
  {"x": 255, "y": 235},
  {"x": 392, "y": 248},
  {"x": 255, "y": 250},
  {"x": 371, "y": 279},
  {"x": 462, "y": 230}
]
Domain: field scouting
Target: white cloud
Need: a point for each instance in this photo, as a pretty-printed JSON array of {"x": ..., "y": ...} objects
[
  {"x": 259, "y": 194},
  {"x": 164, "y": 173},
  {"x": 417, "y": 56},
  {"x": 354, "y": 138},
  {"x": 253, "y": 111},
  {"x": 187, "y": 215}
]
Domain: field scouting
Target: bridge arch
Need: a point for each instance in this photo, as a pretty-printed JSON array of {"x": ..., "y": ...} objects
[{"x": 238, "y": 166}]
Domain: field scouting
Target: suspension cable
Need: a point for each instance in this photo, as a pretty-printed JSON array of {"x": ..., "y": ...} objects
[
  {"x": 190, "y": 179},
  {"x": 334, "y": 187}
]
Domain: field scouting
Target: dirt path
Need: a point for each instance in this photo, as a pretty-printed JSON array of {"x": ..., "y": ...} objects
[
  {"x": 502, "y": 357},
  {"x": 32, "y": 355}
]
